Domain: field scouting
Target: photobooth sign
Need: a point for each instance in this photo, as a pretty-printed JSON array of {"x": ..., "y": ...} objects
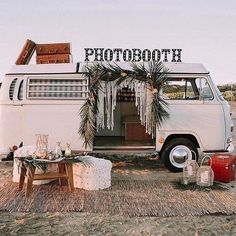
[{"x": 132, "y": 55}]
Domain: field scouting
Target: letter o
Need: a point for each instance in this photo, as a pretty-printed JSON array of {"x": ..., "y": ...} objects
[
  {"x": 108, "y": 54},
  {"x": 156, "y": 55},
  {"x": 146, "y": 55}
]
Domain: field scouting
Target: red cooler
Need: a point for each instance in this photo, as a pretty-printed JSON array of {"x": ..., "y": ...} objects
[{"x": 223, "y": 166}]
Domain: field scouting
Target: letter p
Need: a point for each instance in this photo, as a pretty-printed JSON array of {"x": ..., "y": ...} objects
[{"x": 88, "y": 52}]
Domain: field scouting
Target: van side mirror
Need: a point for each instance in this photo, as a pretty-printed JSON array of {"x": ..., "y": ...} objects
[{"x": 206, "y": 94}]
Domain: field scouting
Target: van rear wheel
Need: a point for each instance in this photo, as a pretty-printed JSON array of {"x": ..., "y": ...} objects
[{"x": 177, "y": 152}]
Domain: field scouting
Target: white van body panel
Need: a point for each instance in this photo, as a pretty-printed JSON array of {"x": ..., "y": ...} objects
[
  {"x": 10, "y": 115},
  {"x": 61, "y": 122},
  {"x": 21, "y": 119},
  {"x": 198, "y": 119},
  {"x": 229, "y": 123},
  {"x": 208, "y": 121},
  {"x": 11, "y": 125}
]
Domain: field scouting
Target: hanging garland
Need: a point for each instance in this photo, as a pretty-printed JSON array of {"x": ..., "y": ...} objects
[{"x": 106, "y": 79}]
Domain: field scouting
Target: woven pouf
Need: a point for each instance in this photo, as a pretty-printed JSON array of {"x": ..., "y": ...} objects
[
  {"x": 26, "y": 151},
  {"x": 92, "y": 173}
]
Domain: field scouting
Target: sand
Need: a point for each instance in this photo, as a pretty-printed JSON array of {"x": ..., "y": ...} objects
[
  {"x": 75, "y": 223},
  {"x": 95, "y": 224}
]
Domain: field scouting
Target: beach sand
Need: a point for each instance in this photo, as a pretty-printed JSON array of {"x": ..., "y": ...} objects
[{"x": 75, "y": 223}]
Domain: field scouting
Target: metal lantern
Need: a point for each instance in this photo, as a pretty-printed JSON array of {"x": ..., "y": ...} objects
[
  {"x": 205, "y": 174},
  {"x": 190, "y": 170}
]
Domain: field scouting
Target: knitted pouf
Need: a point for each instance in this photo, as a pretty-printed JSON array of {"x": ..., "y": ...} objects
[{"x": 92, "y": 173}]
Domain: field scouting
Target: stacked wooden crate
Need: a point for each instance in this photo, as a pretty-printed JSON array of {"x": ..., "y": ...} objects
[
  {"x": 26, "y": 53},
  {"x": 53, "y": 53},
  {"x": 45, "y": 53}
]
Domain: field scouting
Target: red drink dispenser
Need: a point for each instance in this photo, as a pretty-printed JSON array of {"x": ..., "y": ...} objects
[{"x": 223, "y": 166}]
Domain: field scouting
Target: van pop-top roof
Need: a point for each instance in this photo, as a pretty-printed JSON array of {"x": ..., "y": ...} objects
[{"x": 73, "y": 68}]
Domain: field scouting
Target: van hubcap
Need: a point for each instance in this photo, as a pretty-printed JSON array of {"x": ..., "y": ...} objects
[{"x": 179, "y": 155}]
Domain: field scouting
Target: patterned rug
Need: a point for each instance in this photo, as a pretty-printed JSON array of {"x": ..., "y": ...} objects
[{"x": 125, "y": 197}]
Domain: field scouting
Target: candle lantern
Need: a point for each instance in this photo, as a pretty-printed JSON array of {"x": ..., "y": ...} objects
[
  {"x": 58, "y": 150},
  {"x": 205, "y": 174},
  {"x": 68, "y": 150},
  {"x": 190, "y": 170}
]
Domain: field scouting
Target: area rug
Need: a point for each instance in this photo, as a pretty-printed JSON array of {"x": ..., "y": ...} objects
[{"x": 125, "y": 197}]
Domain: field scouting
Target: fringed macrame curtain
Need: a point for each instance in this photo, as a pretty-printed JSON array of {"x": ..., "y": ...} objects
[{"x": 107, "y": 95}]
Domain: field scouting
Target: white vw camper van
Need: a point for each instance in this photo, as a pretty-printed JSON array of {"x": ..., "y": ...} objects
[{"x": 46, "y": 98}]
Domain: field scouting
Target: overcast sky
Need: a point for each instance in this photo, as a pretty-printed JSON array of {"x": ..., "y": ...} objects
[{"x": 204, "y": 29}]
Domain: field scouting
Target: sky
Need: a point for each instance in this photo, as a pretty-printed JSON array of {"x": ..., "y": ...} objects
[{"x": 205, "y": 30}]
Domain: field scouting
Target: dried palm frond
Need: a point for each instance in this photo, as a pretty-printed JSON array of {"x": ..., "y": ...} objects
[
  {"x": 158, "y": 74},
  {"x": 30, "y": 162},
  {"x": 88, "y": 113},
  {"x": 158, "y": 110}
]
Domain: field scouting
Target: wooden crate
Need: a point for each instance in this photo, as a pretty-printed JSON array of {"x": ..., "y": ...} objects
[
  {"x": 53, "y": 48},
  {"x": 26, "y": 53},
  {"x": 53, "y": 59}
]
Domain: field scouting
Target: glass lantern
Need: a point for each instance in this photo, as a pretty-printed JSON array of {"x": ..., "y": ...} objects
[{"x": 205, "y": 174}]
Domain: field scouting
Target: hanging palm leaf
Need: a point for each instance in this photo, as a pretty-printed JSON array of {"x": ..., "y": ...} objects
[
  {"x": 87, "y": 124},
  {"x": 159, "y": 110}
]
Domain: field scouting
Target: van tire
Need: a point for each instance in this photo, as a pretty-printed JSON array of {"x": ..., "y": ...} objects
[{"x": 182, "y": 146}]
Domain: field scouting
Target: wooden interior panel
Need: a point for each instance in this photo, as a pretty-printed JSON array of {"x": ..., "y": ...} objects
[{"x": 136, "y": 131}]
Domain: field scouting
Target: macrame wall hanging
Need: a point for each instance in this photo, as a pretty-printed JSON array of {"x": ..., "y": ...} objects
[{"x": 107, "y": 99}]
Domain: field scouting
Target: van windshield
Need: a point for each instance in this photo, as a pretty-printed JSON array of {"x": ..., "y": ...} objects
[{"x": 187, "y": 89}]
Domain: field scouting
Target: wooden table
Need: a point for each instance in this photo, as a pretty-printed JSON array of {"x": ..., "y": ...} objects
[{"x": 65, "y": 172}]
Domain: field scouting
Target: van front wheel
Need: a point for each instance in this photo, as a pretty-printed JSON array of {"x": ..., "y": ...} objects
[{"x": 177, "y": 152}]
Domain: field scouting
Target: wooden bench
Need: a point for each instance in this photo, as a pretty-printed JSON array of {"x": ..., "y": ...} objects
[{"x": 65, "y": 172}]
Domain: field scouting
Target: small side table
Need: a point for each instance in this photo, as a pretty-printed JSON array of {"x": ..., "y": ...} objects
[{"x": 65, "y": 172}]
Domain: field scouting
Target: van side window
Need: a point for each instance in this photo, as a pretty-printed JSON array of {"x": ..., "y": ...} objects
[
  {"x": 60, "y": 89},
  {"x": 187, "y": 89},
  {"x": 180, "y": 89},
  {"x": 12, "y": 88},
  {"x": 20, "y": 91}
]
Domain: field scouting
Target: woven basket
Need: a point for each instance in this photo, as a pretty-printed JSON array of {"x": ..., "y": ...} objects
[{"x": 205, "y": 174}]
